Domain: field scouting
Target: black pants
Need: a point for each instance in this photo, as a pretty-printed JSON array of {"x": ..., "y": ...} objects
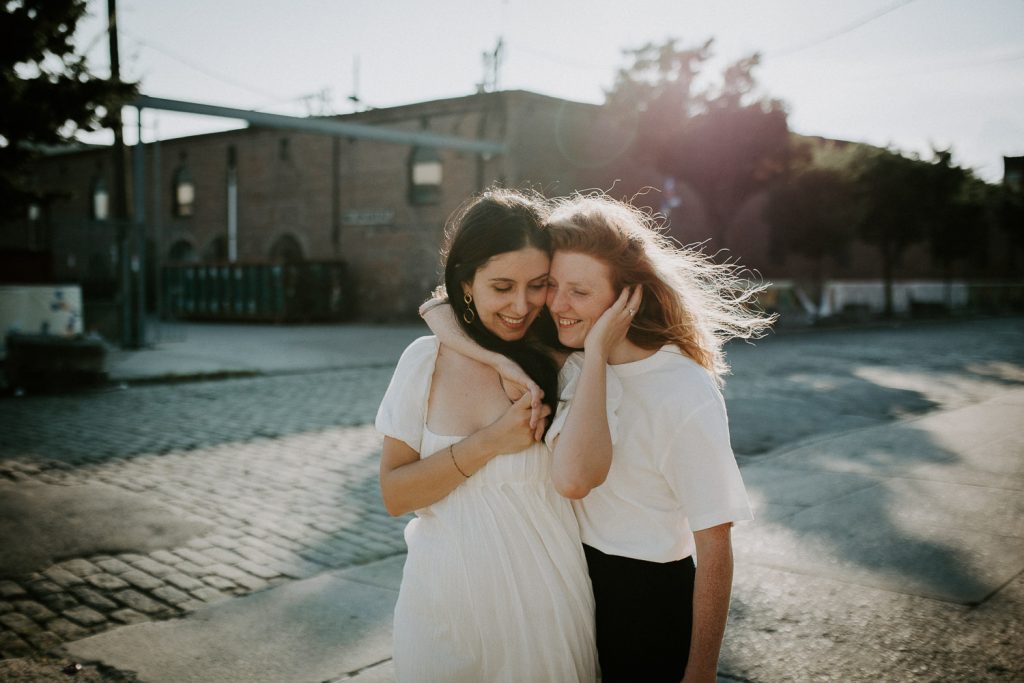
[{"x": 644, "y": 616}]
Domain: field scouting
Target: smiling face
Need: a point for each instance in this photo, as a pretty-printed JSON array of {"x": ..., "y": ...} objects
[
  {"x": 579, "y": 291},
  {"x": 509, "y": 290}
]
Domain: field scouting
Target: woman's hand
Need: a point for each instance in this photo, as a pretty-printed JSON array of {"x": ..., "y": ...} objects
[
  {"x": 611, "y": 328},
  {"x": 514, "y": 381},
  {"x": 517, "y": 384},
  {"x": 512, "y": 431}
]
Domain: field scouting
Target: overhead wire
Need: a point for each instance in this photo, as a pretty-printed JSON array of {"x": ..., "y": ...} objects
[
  {"x": 204, "y": 70},
  {"x": 942, "y": 68},
  {"x": 786, "y": 52}
]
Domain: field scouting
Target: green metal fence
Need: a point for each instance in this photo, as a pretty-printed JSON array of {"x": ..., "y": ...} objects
[{"x": 309, "y": 291}]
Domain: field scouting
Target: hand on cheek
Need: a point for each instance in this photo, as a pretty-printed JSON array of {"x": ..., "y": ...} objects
[{"x": 611, "y": 328}]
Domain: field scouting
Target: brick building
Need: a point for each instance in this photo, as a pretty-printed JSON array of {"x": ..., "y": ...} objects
[{"x": 380, "y": 207}]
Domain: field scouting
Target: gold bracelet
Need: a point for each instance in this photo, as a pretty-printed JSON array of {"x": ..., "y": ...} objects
[{"x": 451, "y": 452}]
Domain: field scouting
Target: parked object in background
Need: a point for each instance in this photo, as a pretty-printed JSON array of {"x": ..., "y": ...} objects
[
  {"x": 47, "y": 363},
  {"x": 41, "y": 310},
  {"x": 790, "y": 301},
  {"x": 43, "y": 347},
  {"x": 917, "y": 298}
]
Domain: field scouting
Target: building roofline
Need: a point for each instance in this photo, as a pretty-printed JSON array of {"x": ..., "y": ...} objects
[
  {"x": 470, "y": 98},
  {"x": 409, "y": 110},
  {"x": 325, "y": 126}
]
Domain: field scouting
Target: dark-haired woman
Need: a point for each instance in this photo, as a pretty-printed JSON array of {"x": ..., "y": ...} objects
[{"x": 495, "y": 585}]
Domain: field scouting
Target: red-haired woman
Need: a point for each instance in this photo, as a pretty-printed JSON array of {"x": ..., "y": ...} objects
[{"x": 642, "y": 432}]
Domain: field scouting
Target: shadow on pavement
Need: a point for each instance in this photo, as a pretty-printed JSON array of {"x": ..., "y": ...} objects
[{"x": 920, "y": 508}]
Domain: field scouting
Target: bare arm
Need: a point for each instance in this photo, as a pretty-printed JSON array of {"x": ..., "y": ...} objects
[
  {"x": 583, "y": 450},
  {"x": 440, "y": 318},
  {"x": 711, "y": 593},
  {"x": 408, "y": 482}
]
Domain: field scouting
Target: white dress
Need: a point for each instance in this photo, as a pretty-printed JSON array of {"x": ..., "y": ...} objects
[{"x": 495, "y": 586}]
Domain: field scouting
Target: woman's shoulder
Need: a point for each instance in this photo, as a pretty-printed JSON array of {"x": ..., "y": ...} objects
[
  {"x": 680, "y": 375},
  {"x": 421, "y": 346},
  {"x": 419, "y": 354}
]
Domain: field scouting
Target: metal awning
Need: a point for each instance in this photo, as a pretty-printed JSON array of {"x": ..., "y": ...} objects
[{"x": 324, "y": 126}]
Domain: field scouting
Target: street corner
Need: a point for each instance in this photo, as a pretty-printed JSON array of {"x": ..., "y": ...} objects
[{"x": 333, "y": 626}]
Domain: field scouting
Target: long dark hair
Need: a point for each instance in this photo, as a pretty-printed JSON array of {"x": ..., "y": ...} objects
[{"x": 496, "y": 222}]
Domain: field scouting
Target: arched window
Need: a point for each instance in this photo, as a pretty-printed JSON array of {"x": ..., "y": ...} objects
[
  {"x": 182, "y": 252},
  {"x": 425, "y": 175},
  {"x": 99, "y": 200},
  {"x": 183, "y": 193},
  {"x": 217, "y": 249},
  {"x": 286, "y": 249}
]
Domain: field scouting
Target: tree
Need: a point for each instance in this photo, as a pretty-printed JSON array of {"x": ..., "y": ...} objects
[
  {"x": 47, "y": 93},
  {"x": 1006, "y": 205},
  {"x": 724, "y": 140},
  {"x": 957, "y": 215},
  {"x": 813, "y": 214},
  {"x": 891, "y": 187},
  {"x": 906, "y": 200}
]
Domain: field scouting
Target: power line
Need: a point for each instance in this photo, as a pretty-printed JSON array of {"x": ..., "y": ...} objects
[
  {"x": 970, "y": 64},
  {"x": 202, "y": 69},
  {"x": 95, "y": 40},
  {"x": 786, "y": 52},
  {"x": 1013, "y": 57}
]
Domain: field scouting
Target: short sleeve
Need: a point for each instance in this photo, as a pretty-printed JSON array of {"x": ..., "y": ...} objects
[
  {"x": 701, "y": 469},
  {"x": 568, "y": 381},
  {"x": 402, "y": 413}
]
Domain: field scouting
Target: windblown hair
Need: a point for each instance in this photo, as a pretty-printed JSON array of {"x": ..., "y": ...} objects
[
  {"x": 496, "y": 222},
  {"x": 689, "y": 300}
]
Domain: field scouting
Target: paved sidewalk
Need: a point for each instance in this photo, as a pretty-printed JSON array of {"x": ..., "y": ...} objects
[
  {"x": 332, "y": 627},
  {"x": 183, "y": 350}
]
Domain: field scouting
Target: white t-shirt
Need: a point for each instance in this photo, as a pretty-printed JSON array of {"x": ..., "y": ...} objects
[{"x": 673, "y": 470}]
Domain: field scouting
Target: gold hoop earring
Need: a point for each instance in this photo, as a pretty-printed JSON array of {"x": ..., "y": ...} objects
[{"x": 469, "y": 315}]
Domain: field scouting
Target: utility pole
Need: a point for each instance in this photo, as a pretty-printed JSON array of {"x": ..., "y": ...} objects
[
  {"x": 354, "y": 97},
  {"x": 492, "y": 68},
  {"x": 124, "y": 289}
]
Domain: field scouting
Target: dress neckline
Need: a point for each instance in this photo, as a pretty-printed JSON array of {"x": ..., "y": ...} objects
[{"x": 444, "y": 436}]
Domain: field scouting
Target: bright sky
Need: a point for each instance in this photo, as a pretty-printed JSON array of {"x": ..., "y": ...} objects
[{"x": 906, "y": 73}]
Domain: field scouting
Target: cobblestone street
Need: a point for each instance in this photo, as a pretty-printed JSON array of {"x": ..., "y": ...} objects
[
  {"x": 283, "y": 471},
  {"x": 177, "y": 496}
]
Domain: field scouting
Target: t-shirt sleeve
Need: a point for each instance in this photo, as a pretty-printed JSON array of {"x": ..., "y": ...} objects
[
  {"x": 402, "y": 412},
  {"x": 568, "y": 381},
  {"x": 701, "y": 468}
]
